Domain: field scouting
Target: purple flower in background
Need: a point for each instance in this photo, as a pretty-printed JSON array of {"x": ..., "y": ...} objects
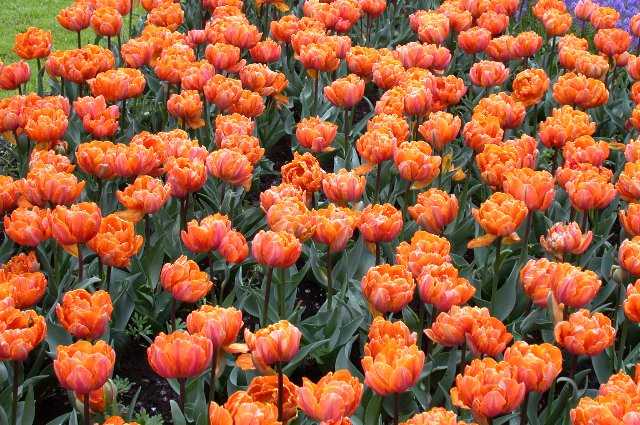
[{"x": 626, "y": 8}]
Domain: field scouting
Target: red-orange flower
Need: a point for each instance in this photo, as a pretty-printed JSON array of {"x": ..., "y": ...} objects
[
  {"x": 20, "y": 331},
  {"x": 416, "y": 163},
  {"x": 277, "y": 343},
  {"x": 526, "y": 44},
  {"x": 206, "y": 235},
  {"x": 76, "y": 224},
  {"x": 439, "y": 129},
  {"x": 380, "y": 223},
  {"x": 388, "y": 288},
  {"x": 282, "y": 191},
  {"x": 482, "y": 130},
  {"x": 630, "y": 219},
  {"x": 537, "y": 366},
  {"x": 584, "y": 92},
  {"x": 319, "y": 57},
  {"x": 585, "y": 149},
  {"x": 116, "y": 242},
  {"x": 556, "y": 22},
  {"x": 488, "y": 73},
  {"x": 275, "y": 249},
  {"x": 264, "y": 389},
  {"x": 234, "y": 247},
  {"x": 451, "y": 328},
  {"x": 168, "y": 15},
  {"x": 474, "y": 40},
  {"x": 187, "y": 107},
  {"x": 179, "y": 355},
  {"x": 441, "y": 286},
  {"x": 45, "y": 125},
  {"x": 345, "y": 92},
  {"x": 85, "y": 315},
  {"x": 84, "y": 367},
  {"x": 394, "y": 368},
  {"x": 106, "y": 21},
  {"x": 266, "y": 51},
  {"x": 185, "y": 176},
  {"x": 245, "y": 412},
  {"x": 574, "y": 287},
  {"x": 489, "y": 388},
  {"x": 75, "y": 17},
  {"x": 434, "y": 210},
  {"x": 336, "y": 395},
  {"x": 604, "y": 17},
  {"x": 631, "y": 303},
  {"x": 500, "y": 215},
  {"x": 303, "y": 171},
  {"x": 534, "y": 188},
  {"x": 34, "y": 43},
  {"x": 8, "y": 194},
  {"x": 230, "y": 166},
  {"x": 425, "y": 249},
  {"x": 291, "y": 215},
  {"x": 14, "y": 75},
  {"x": 184, "y": 280},
  {"x": 28, "y": 227},
  {"x": 96, "y": 158},
  {"x": 530, "y": 86},
  {"x": 118, "y": 84},
  {"x": 564, "y": 239},
  {"x": 588, "y": 190},
  {"x": 343, "y": 186},
  {"x": 218, "y": 324},
  {"x": 146, "y": 195},
  {"x": 563, "y": 125},
  {"x": 585, "y": 333}
]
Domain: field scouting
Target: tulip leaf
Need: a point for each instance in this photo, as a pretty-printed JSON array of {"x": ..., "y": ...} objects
[
  {"x": 302, "y": 354},
  {"x": 343, "y": 360},
  {"x": 373, "y": 410},
  {"x": 602, "y": 366},
  {"x": 29, "y": 408},
  {"x": 177, "y": 417}
]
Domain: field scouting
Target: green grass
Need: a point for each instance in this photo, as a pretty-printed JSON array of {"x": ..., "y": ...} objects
[{"x": 17, "y": 15}]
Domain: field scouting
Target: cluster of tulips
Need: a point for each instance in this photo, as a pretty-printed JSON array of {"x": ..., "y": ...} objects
[{"x": 455, "y": 194}]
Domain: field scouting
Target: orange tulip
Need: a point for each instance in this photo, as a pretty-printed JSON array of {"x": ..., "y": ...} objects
[
  {"x": 489, "y": 388},
  {"x": 588, "y": 190},
  {"x": 612, "y": 41},
  {"x": 14, "y": 75},
  {"x": 387, "y": 72},
  {"x": 84, "y": 367},
  {"x": 303, "y": 171},
  {"x": 556, "y": 22},
  {"x": 631, "y": 303},
  {"x": 264, "y": 389},
  {"x": 316, "y": 134},
  {"x": 628, "y": 182},
  {"x": 630, "y": 219},
  {"x": 232, "y": 124},
  {"x": 376, "y": 145},
  {"x": 360, "y": 61},
  {"x": 28, "y": 227},
  {"x": 26, "y": 289},
  {"x": 440, "y": 129},
  {"x": 608, "y": 409},
  {"x": 99, "y": 399},
  {"x": 222, "y": 91},
  {"x": 118, "y": 84},
  {"x": 500, "y": 215},
  {"x": 391, "y": 102},
  {"x": 433, "y": 28},
  {"x": 230, "y": 166},
  {"x": 334, "y": 226},
  {"x": 381, "y": 330},
  {"x": 85, "y": 315},
  {"x": 318, "y": 57},
  {"x": 187, "y": 107},
  {"x": 534, "y": 188},
  {"x": 563, "y": 125},
  {"x": 292, "y": 216},
  {"x": 247, "y": 412},
  {"x": 179, "y": 355},
  {"x": 20, "y": 331},
  {"x": 96, "y": 158},
  {"x": 415, "y": 162},
  {"x": 343, "y": 186},
  {"x": 584, "y": 9},
  {"x": 116, "y": 242},
  {"x": 266, "y": 51},
  {"x": 75, "y": 17},
  {"x": 146, "y": 195},
  {"x": 481, "y": 131},
  {"x": 22, "y": 263},
  {"x": 585, "y": 149},
  {"x": 123, "y": 6},
  {"x": 604, "y": 17},
  {"x": 435, "y": 415},
  {"x": 184, "y": 280},
  {"x": 185, "y": 176},
  {"x": 585, "y": 333},
  {"x": 441, "y": 286},
  {"x": 388, "y": 288},
  {"x": 488, "y": 336},
  {"x": 537, "y": 366},
  {"x": 34, "y": 43},
  {"x": 393, "y": 369},
  {"x": 76, "y": 224},
  {"x": 424, "y": 250},
  {"x": 574, "y": 89},
  {"x": 488, "y": 73},
  {"x": 250, "y": 104},
  {"x": 197, "y": 75},
  {"x": 510, "y": 112},
  {"x": 565, "y": 174},
  {"x": 574, "y": 287},
  {"x": 451, "y": 328},
  {"x": 275, "y": 249},
  {"x": 628, "y": 255},
  {"x": 168, "y": 15},
  {"x": 8, "y": 194},
  {"x": 434, "y": 210},
  {"x": 134, "y": 160},
  {"x": 277, "y": 343},
  {"x": 137, "y": 52},
  {"x": 106, "y": 21},
  {"x": 233, "y": 247},
  {"x": 220, "y": 325},
  {"x": 380, "y": 223},
  {"x": 336, "y": 395},
  {"x": 564, "y": 239},
  {"x": 206, "y": 235},
  {"x": 530, "y": 86},
  {"x": 474, "y": 40},
  {"x": 277, "y": 193},
  {"x": 397, "y": 125},
  {"x": 45, "y": 125},
  {"x": 526, "y": 44},
  {"x": 45, "y": 185},
  {"x": 345, "y": 92}
]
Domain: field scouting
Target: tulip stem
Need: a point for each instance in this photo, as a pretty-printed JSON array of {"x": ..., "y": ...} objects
[
  {"x": 79, "y": 40},
  {"x": 16, "y": 376},
  {"x": 329, "y": 279},
  {"x": 109, "y": 42},
  {"x": 39, "y": 77},
  {"x": 421, "y": 313},
  {"x": 280, "y": 392},
  {"x": 550, "y": 397},
  {"x": 280, "y": 291},
  {"x": 214, "y": 377},
  {"x": 396, "y": 408},
  {"x": 131, "y": 21},
  {"x": 314, "y": 104},
  {"x": 80, "y": 264},
  {"x": 87, "y": 407},
  {"x": 463, "y": 358},
  {"x": 378, "y": 176},
  {"x": 378, "y": 253},
  {"x": 267, "y": 295},
  {"x": 496, "y": 275},
  {"x": 523, "y": 410},
  {"x": 173, "y": 314},
  {"x": 525, "y": 240},
  {"x": 183, "y": 385},
  {"x": 184, "y": 206},
  {"x": 623, "y": 341}
]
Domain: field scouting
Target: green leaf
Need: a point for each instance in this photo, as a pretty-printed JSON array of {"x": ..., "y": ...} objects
[
  {"x": 372, "y": 415},
  {"x": 29, "y": 410},
  {"x": 177, "y": 417},
  {"x": 602, "y": 367},
  {"x": 293, "y": 364},
  {"x": 343, "y": 360}
]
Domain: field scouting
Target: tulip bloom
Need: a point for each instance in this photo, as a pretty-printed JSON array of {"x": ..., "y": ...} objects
[
  {"x": 334, "y": 226},
  {"x": 489, "y": 388},
  {"x": 274, "y": 194},
  {"x": 84, "y": 367},
  {"x": 441, "y": 286},
  {"x": 316, "y": 134},
  {"x": 380, "y": 223},
  {"x": 146, "y": 195},
  {"x": 264, "y": 389},
  {"x": 585, "y": 333},
  {"x": 34, "y": 43},
  {"x": 589, "y": 190},
  {"x": 584, "y": 92},
  {"x": 631, "y": 303},
  {"x": 564, "y": 239},
  {"x": 440, "y": 129},
  {"x": 488, "y": 73},
  {"x": 220, "y": 325},
  {"x": 335, "y": 395},
  {"x": 585, "y": 149},
  {"x": 85, "y": 315},
  {"x": 14, "y": 75},
  {"x": 425, "y": 249},
  {"x": 76, "y": 224},
  {"x": 20, "y": 332},
  {"x": 537, "y": 366},
  {"x": 343, "y": 186},
  {"x": 416, "y": 163},
  {"x": 184, "y": 280},
  {"x": 303, "y": 171},
  {"x": 187, "y": 107},
  {"x": 530, "y": 86},
  {"x": 481, "y": 131},
  {"x": 499, "y": 216},
  {"x": 185, "y": 176},
  {"x": 630, "y": 219},
  {"x": 474, "y": 40},
  {"x": 277, "y": 343},
  {"x": 75, "y": 17},
  {"x": 292, "y": 216},
  {"x": 275, "y": 249},
  {"x": 118, "y": 84},
  {"x": 574, "y": 287},
  {"x": 96, "y": 158},
  {"x": 434, "y": 210},
  {"x": 451, "y": 328},
  {"x": 563, "y": 125},
  {"x": 488, "y": 336},
  {"x": 206, "y": 235},
  {"x": 534, "y": 188},
  {"x": 388, "y": 288},
  {"x": 116, "y": 241},
  {"x": 28, "y": 227},
  {"x": 246, "y": 412},
  {"x": 179, "y": 355},
  {"x": 234, "y": 247},
  {"x": 393, "y": 369},
  {"x": 106, "y": 21},
  {"x": 266, "y": 51}
]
